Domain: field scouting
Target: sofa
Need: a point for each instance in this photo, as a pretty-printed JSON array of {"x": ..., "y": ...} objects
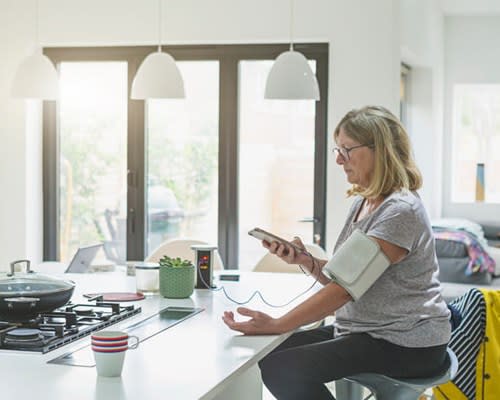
[{"x": 453, "y": 258}]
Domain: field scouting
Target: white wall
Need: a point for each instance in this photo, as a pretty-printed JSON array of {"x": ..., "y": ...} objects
[
  {"x": 16, "y": 41},
  {"x": 471, "y": 56},
  {"x": 422, "y": 49},
  {"x": 364, "y": 69}
]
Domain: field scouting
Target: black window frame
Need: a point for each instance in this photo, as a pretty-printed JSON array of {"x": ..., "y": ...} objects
[{"x": 228, "y": 57}]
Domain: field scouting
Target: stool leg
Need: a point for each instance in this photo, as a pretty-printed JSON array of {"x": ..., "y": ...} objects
[
  {"x": 347, "y": 390},
  {"x": 397, "y": 393}
]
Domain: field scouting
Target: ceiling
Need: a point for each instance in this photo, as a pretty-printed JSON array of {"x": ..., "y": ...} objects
[{"x": 470, "y": 7}]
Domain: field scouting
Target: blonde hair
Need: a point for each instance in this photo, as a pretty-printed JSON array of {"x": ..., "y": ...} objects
[{"x": 395, "y": 167}]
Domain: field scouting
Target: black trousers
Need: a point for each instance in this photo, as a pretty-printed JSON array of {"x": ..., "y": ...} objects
[{"x": 299, "y": 367}]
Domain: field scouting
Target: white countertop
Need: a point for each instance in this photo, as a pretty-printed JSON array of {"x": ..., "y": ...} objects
[{"x": 194, "y": 359}]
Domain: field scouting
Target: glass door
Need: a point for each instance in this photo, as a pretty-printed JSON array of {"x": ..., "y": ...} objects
[
  {"x": 133, "y": 174},
  {"x": 182, "y": 159},
  {"x": 276, "y": 163},
  {"x": 92, "y": 157}
]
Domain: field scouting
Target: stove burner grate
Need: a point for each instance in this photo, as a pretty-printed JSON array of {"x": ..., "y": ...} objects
[{"x": 49, "y": 331}]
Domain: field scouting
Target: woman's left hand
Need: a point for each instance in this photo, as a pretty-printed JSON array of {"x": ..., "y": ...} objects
[{"x": 259, "y": 323}]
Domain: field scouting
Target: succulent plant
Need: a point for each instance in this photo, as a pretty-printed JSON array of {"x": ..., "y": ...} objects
[{"x": 176, "y": 262}]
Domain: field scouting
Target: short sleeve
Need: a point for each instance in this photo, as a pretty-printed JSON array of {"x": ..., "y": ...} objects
[{"x": 396, "y": 223}]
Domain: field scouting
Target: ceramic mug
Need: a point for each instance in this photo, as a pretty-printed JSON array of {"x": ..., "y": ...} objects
[
  {"x": 109, "y": 362},
  {"x": 109, "y": 348}
]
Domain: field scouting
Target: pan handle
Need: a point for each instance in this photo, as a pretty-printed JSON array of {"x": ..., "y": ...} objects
[
  {"x": 21, "y": 300},
  {"x": 13, "y": 266}
]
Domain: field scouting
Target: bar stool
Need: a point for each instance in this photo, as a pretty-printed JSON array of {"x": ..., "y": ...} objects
[{"x": 386, "y": 388}]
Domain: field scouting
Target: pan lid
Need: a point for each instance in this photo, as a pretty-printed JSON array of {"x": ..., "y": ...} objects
[{"x": 30, "y": 282}]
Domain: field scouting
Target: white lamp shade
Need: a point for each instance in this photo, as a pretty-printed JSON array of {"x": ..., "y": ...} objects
[
  {"x": 291, "y": 78},
  {"x": 158, "y": 78},
  {"x": 36, "y": 78}
]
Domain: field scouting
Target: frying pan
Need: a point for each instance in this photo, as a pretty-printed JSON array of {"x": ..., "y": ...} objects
[{"x": 24, "y": 295}]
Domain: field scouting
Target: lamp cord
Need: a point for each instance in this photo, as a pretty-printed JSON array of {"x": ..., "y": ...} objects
[
  {"x": 37, "y": 17},
  {"x": 159, "y": 26},
  {"x": 291, "y": 25},
  {"x": 258, "y": 293}
]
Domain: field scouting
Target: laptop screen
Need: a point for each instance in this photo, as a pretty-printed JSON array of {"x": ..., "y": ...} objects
[{"x": 83, "y": 258}]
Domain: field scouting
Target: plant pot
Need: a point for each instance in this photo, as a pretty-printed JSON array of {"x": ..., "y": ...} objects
[{"x": 178, "y": 282}]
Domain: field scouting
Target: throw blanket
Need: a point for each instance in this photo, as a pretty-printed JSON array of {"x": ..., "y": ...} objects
[
  {"x": 460, "y": 224},
  {"x": 479, "y": 259}
]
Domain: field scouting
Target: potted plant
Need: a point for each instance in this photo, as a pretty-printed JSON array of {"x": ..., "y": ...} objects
[{"x": 176, "y": 277}]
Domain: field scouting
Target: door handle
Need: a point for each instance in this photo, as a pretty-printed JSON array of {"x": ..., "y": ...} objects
[
  {"x": 132, "y": 220},
  {"x": 316, "y": 236},
  {"x": 132, "y": 178},
  {"x": 309, "y": 219}
]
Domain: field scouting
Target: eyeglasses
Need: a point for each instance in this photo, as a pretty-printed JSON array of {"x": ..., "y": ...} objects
[{"x": 344, "y": 151}]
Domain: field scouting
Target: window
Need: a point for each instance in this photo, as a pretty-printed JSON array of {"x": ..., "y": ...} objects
[
  {"x": 132, "y": 173},
  {"x": 276, "y": 163},
  {"x": 476, "y": 143},
  {"x": 182, "y": 158},
  {"x": 92, "y": 155}
]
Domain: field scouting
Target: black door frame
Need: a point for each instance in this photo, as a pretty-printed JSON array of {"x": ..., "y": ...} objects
[{"x": 228, "y": 57}]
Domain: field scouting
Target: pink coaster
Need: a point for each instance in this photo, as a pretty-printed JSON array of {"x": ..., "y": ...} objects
[{"x": 117, "y": 296}]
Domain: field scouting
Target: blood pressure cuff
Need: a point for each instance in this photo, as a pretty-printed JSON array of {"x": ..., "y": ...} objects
[{"x": 357, "y": 264}]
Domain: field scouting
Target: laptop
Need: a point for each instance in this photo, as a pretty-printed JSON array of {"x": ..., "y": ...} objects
[{"x": 83, "y": 258}]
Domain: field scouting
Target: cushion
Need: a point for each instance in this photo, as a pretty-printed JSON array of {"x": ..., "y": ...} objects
[
  {"x": 452, "y": 269},
  {"x": 450, "y": 248},
  {"x": 492, "y": 233}
]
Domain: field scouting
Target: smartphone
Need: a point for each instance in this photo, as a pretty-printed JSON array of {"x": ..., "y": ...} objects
[{"x": 261, "y": 234}]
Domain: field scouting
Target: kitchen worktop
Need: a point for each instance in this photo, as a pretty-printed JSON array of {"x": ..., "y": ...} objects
[{"x": 197, "y": 358}]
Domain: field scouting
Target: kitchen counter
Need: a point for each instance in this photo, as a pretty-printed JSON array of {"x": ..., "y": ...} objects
[{"x": 199, "y": 358}]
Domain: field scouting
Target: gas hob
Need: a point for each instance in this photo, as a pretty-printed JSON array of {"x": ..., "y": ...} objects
[{"x": 49, "y": 331}]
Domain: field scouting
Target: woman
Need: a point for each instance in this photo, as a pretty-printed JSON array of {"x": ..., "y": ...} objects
[{"x": 399, "y": 324}]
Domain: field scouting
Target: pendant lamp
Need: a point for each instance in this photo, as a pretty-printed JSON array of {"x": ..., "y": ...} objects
[
  {"x": 291, "y": 77},
  {"x": 158, "y": 77},
  {"x": 36, "y": 76}
]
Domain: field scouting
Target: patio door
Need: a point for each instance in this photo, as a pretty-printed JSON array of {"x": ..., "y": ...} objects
[
  {"x": 182, "y": 154},
  {"x": 91, "y": 158},
  {"x": 276, "y": 174},
  {"x": 208, "y": 167}
]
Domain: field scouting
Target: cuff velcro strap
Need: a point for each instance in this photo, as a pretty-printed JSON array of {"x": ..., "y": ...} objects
[{"x": 357, "y": 264}]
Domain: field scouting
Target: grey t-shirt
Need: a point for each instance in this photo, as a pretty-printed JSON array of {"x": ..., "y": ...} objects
[{"x": 404, "y": 305}]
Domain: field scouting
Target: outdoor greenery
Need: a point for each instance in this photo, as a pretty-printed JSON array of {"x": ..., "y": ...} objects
[
  {"x": 84, "y": 164},
  {"x": 187, "y": 169},
  {"x": 186, "y": 164},
  {"x": 92, "y": 149}
]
